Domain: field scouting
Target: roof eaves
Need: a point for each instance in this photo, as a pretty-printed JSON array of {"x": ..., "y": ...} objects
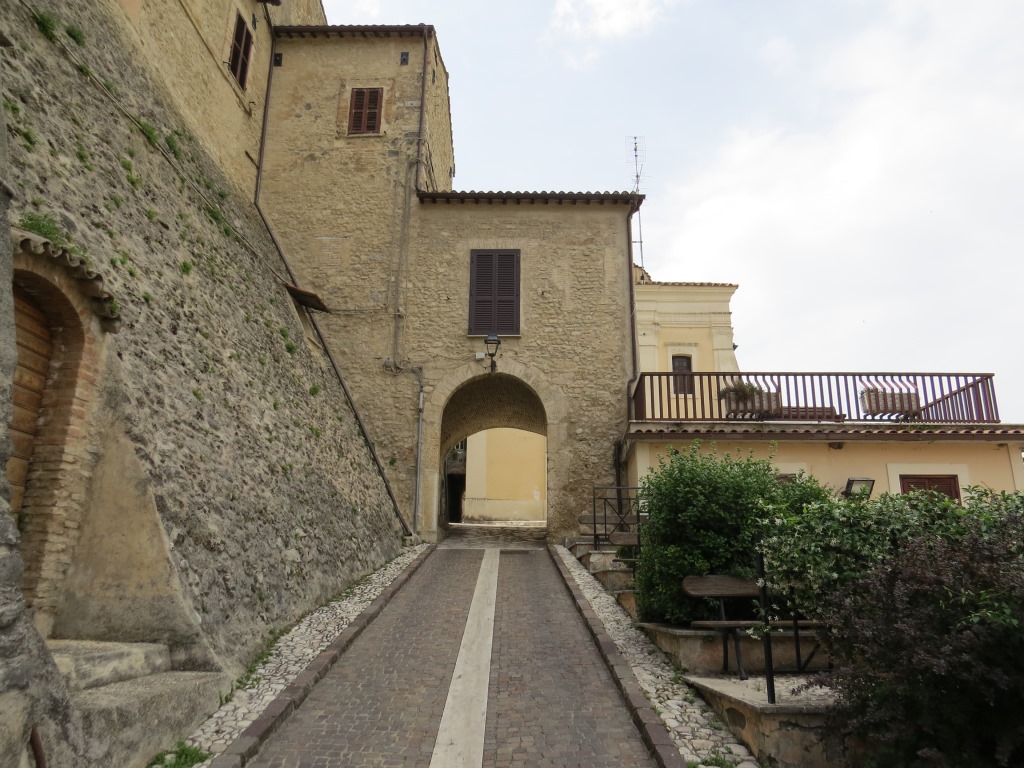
[
  {"x": 828, "y": 433},
  {"x": 631, "y": 198},
  {"x": 354, "y": 30}
]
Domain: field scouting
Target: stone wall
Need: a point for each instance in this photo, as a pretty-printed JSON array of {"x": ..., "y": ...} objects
[
  {"x": 219, "y": 455},
  {"x": 32, "y": 693},
  {"x": 186, "y": 44}
]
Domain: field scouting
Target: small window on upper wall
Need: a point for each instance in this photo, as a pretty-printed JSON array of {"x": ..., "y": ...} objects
[
  {"x": 682, "y": 384},
  {"x": 364, "y": 110},
  {"x": 241, "y": 50}
]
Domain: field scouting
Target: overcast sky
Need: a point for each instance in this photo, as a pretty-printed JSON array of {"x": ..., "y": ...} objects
[{"x": 856, "y": 166}]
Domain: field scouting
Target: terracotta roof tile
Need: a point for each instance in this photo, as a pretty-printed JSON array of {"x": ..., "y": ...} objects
[{"x": 780, "y": 431}]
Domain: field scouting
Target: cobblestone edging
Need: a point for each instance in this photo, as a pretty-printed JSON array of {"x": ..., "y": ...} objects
[
  {"x": 687, "y": 731},
  {"x": 298, "y": 661}
]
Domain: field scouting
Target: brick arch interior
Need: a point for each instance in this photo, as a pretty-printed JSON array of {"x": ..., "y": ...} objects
[
  {"x": 58, "y": 470},
  {"x": 489, "y": 402}
]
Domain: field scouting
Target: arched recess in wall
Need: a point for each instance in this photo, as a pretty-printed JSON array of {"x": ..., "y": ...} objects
[
  {"x": 487, "y": 402},
  {"x": 62, "y": 315}
]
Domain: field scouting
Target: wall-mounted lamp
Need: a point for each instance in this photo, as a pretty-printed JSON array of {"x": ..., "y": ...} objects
[
  {"x": 855, "y": 486},
  {"x": 492, "y": 342}
]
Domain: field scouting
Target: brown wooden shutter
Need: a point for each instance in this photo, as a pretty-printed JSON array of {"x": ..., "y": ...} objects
[
  {"x": 494, "y": 293},
  {"x": 506, "y": 294},
  {"x": 947, "y": 484},
  {"x": 241, "y": 50},
  {"x": 364, "y": 110},
  {"x": 373, "y": 99}
]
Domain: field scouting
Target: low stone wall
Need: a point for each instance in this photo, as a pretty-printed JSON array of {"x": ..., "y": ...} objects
[
  {"x": 700, "y": 650},
  {"x": 790, "y": 734}
]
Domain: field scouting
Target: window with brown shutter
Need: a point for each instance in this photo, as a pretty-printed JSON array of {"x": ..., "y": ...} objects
[
  {"x": 241, "y": 50},
  {"x": 494, "y": 293},
  {"x": 947, "y": 484},
  {"x": 364, "y": 110},
  {"x": 682, "y": 364}
]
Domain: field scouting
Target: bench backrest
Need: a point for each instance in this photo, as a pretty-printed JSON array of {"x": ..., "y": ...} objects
[{"x": 720, "y": 586}]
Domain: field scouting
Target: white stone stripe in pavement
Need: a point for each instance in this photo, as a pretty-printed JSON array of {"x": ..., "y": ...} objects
[{"x": 460, "y": 739}]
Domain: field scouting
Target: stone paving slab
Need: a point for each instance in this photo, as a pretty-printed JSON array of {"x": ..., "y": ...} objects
[
  {"x": 552, "y": 700},
  {"x": 381, "y": 703}
]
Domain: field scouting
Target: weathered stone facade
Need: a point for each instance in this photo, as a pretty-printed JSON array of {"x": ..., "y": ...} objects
[
  {"x": 185, "y": 45},
  {"x": 393, "y": 262},
  {"x": 199, "y": 477}
]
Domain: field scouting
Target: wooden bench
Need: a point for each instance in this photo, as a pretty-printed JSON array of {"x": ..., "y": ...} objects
[{"x": 728, "y": 588}]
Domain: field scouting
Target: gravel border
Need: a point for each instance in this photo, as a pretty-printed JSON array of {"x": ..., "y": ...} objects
[
  {"x": 299, "y": 659},
  {"x": 696, "y": 732}
]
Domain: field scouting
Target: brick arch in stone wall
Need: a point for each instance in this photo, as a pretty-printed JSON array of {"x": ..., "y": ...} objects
[{"x": 77, "y": 311}]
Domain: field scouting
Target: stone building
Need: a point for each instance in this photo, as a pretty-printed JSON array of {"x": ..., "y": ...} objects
[
  {"x": 887, "y": 431},
  {"x": 246, "y": 327},
  {"x": 361, "y": 198}
]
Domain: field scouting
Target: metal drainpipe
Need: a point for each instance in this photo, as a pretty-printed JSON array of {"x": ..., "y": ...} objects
[
  {"x": 419, "y": 453},
  {"x": 405, "y": 234},
  {"x": 316, "y": 326},
  {"x": 632, "y": 325}
]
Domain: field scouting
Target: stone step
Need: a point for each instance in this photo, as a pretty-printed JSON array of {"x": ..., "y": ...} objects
[
  {"x": 616, "y": 579},
  {"x": 598, "y": 560},
  {"x": 126, "y": 723},
  {"x": 580, "y": 545},
  {"x": 91, "y": 663}
]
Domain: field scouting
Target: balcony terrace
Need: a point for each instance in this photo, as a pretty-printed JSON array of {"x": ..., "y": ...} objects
[{"x": 822, "y": 398}]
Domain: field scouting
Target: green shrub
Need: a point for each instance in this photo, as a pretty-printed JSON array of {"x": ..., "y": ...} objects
[
  {"x": 44, "y": 226},
  {"x": 173, "y": 146},
  {"x": 47, "y": 23},
  {"x": 76, "y": 34},
  {"x": 704, "y": 518},
  {"x": 150, "y": 132},
  {"x": 924, "y": 599},
  {"x": 822, "y": 547}
]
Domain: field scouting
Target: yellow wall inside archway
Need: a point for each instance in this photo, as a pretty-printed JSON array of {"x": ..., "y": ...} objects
[{"x": 506, "y": 476}]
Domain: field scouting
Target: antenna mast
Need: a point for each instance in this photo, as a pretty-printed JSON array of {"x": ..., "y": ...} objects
[{"x": 637, "y": 145}]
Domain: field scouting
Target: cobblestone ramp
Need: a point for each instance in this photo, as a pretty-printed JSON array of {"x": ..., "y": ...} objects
[
  {"x": 382, "y": 702},
  {"x": 551, "y": 701}
]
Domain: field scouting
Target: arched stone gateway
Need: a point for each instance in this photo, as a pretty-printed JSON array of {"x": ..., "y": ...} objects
[{"x": 467, "y": 401}]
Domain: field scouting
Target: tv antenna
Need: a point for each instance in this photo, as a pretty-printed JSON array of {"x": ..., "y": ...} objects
[{"x": 637, "y": 146}]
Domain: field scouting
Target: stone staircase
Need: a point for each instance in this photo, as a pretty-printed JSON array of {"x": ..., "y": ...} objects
[
  {"x": 614, "y": 574},
  {"x": 131, "y": 702}
]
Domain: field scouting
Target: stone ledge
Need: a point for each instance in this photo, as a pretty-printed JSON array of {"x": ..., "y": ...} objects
[{"x": 791, "y": 734}]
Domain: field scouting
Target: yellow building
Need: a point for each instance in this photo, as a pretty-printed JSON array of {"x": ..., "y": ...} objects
[{"x": 889, "y": 430}]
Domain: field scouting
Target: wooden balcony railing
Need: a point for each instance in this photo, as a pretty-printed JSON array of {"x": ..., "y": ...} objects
[{"x": 941, "y": 398}]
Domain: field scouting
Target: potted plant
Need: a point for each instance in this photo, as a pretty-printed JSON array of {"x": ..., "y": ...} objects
[
  {"x": 748, "y": 399},
  {"x": 883, "y": 402}
]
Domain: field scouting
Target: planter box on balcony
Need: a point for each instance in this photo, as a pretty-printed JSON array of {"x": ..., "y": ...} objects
[
  {"x": 877, "y": 402},
  {"x": 753, "y": 404}
]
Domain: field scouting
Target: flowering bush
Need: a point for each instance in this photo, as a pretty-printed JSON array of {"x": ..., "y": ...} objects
[{"x": 924, "y": 599}]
